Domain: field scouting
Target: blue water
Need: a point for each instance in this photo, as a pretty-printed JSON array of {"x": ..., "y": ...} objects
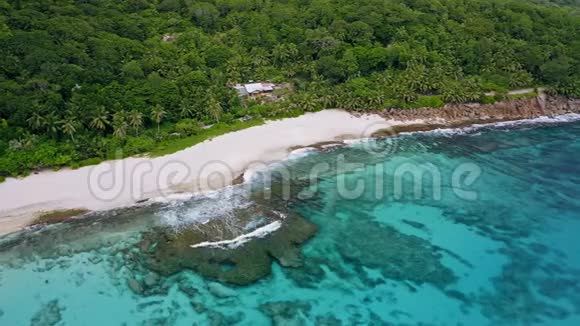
[{"x": 500, "y": 248}]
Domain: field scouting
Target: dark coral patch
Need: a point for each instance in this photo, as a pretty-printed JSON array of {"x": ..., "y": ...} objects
[{"x": 169, "y": 252}]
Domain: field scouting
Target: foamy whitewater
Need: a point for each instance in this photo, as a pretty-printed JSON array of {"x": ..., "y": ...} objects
[
  {"x": 187, "y": 171},
  {"x": 546, "y": 120},
  {"x": 183, "y": 210},
  {"x": 240, "y": 240}
]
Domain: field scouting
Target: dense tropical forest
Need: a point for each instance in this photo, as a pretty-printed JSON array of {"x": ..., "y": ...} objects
[{"x": 79, "y": 79}]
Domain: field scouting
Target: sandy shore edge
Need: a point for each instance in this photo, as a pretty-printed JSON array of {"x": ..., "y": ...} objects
[
  {"x": 223, "y": 160},
  {"x": 129, "y": 181}
]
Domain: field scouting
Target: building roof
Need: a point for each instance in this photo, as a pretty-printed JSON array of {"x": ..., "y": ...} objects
[
  {"x": 250, "y": 89},
  {"x": 259, "y": 87},
  {"x": 168, "y": 38}
]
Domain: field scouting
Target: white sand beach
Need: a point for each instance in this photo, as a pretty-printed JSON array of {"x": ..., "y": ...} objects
[{"x": 209, "y": 165}]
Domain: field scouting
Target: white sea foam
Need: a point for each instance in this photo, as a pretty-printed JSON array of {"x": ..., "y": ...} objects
[
  {"x": 545, "y": 120},
  {"x": 30, "y": 195},
  {"x": 240, "y": 240},
  {"x": 252, "y": 172},
  {"x": 331, "y": 146},
  {"x": 203, "y": 207},
  {"x": 249, "y": 174},
  {"x": 280, "y": 215},
  {"x": 357, "y": 141},
  {"x": 301, "y": 152},
  {"x": 253, "y": 224},
  {"x": 223, "y": 202}
]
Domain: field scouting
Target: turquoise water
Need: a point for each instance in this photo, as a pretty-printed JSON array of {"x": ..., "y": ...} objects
[{"x": 501, "y": 248}]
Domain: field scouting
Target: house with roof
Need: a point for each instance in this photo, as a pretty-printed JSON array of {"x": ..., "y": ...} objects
[{"x": 254, "y": 90}]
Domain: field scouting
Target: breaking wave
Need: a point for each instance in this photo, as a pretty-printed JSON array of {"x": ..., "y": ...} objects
[
  {"x": 240, "y": 240},
  {"x": 203, "y": 207},
  {"x": 544, "y": 120}
]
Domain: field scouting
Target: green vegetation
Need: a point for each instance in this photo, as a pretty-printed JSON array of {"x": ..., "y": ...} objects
[
  {"x": 58, "y": 216},
  {"x": 521, "y": 96},
  {"x": 173, "y": 145},
  {"x": 80, "y": 80},
  {"x": 427, "y": 101}
]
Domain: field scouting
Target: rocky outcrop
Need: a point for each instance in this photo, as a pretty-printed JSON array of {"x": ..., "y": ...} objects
[
  {"x": 48, "y": 315},
  {"x": 457, "y": 115},
  {"x": 167, "y": 252},
  {"x": 287, "y": 312}
]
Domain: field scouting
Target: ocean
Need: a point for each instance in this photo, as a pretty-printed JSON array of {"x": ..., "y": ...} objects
[{"x": 473, "y": 226}]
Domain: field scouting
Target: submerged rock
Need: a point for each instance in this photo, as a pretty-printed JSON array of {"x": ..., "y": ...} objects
[
  {"x": 48, "y": 315},
  {"x": 151, "y": 279},
  {"x": 161, "y": 321},
  {"x": 216, "y": 318},
  {"x": 144, "y": 305},
  {"x": 328, "y": 320},
  {"x": 221, "y": 291},
  {"x": 416, "y": 225},
  {"x": 241, "y": 265},
  {"x": 398, "y": 256},
  {"x": 198, "y": 307},
  {"x": 135, "y": 286},
  {"x": 95, "y": 259},
  {"x": 189, "y": 290},
  {"x": 287, "y": 312},
  {"x": 310, "y": 275}
]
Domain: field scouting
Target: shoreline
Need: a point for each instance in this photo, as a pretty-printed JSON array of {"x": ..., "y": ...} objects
[
  {"x": 232, "y": 154},
  {"x": 210, "y": 165}
]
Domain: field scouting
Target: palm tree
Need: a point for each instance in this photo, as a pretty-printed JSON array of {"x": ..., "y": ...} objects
[
  {"x": 36, "y": 121},
  {"x": 100, "y": 119},
  {"x": 283, "y": 52},
  {"x": 120, "y": 124},
  {"x": 327, "y": 101},
  {"x": 317, "y": 83},
  {"x": 185, "y": 110},
  {"x": 436, "y": 77},
  {"x": 416, "y": 77},
  {"x": 351, "y": 102},
  {"x": 28, "y": 139},
  {"x": 157, "y": 115},
  {"x": 51, "y": 123},
  {"x": 234, "y": 69},
  {"x": 520, "y": 78},
  {"x": 308, "y": 103},
  {"x": 69, "y": 126},
  {"x": 135, "y": 120},
  {"x": 280, "y": 54},
  {"x": 288, "y": 71},
  {"x": 259, "y": 58},
  {"x": 455, "y": 92},
  {"x": 214, "y": 109},
  {"x": 406, "y": 93},
  {"x": 377, "y": 100}
]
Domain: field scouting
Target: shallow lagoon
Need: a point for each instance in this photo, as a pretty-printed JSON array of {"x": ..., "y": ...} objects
[{"x": 385, "y": 257}]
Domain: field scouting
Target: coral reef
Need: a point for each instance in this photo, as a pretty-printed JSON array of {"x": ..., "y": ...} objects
[
  {"x": 48, "y": 315},
  {"x": 216, "y": 318},
  {"x": 58, "y": 216},
  {"x": 167, "y": 251},
  {"x": 287, "y": 312},
  {"x": 396, "y": 255}
]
